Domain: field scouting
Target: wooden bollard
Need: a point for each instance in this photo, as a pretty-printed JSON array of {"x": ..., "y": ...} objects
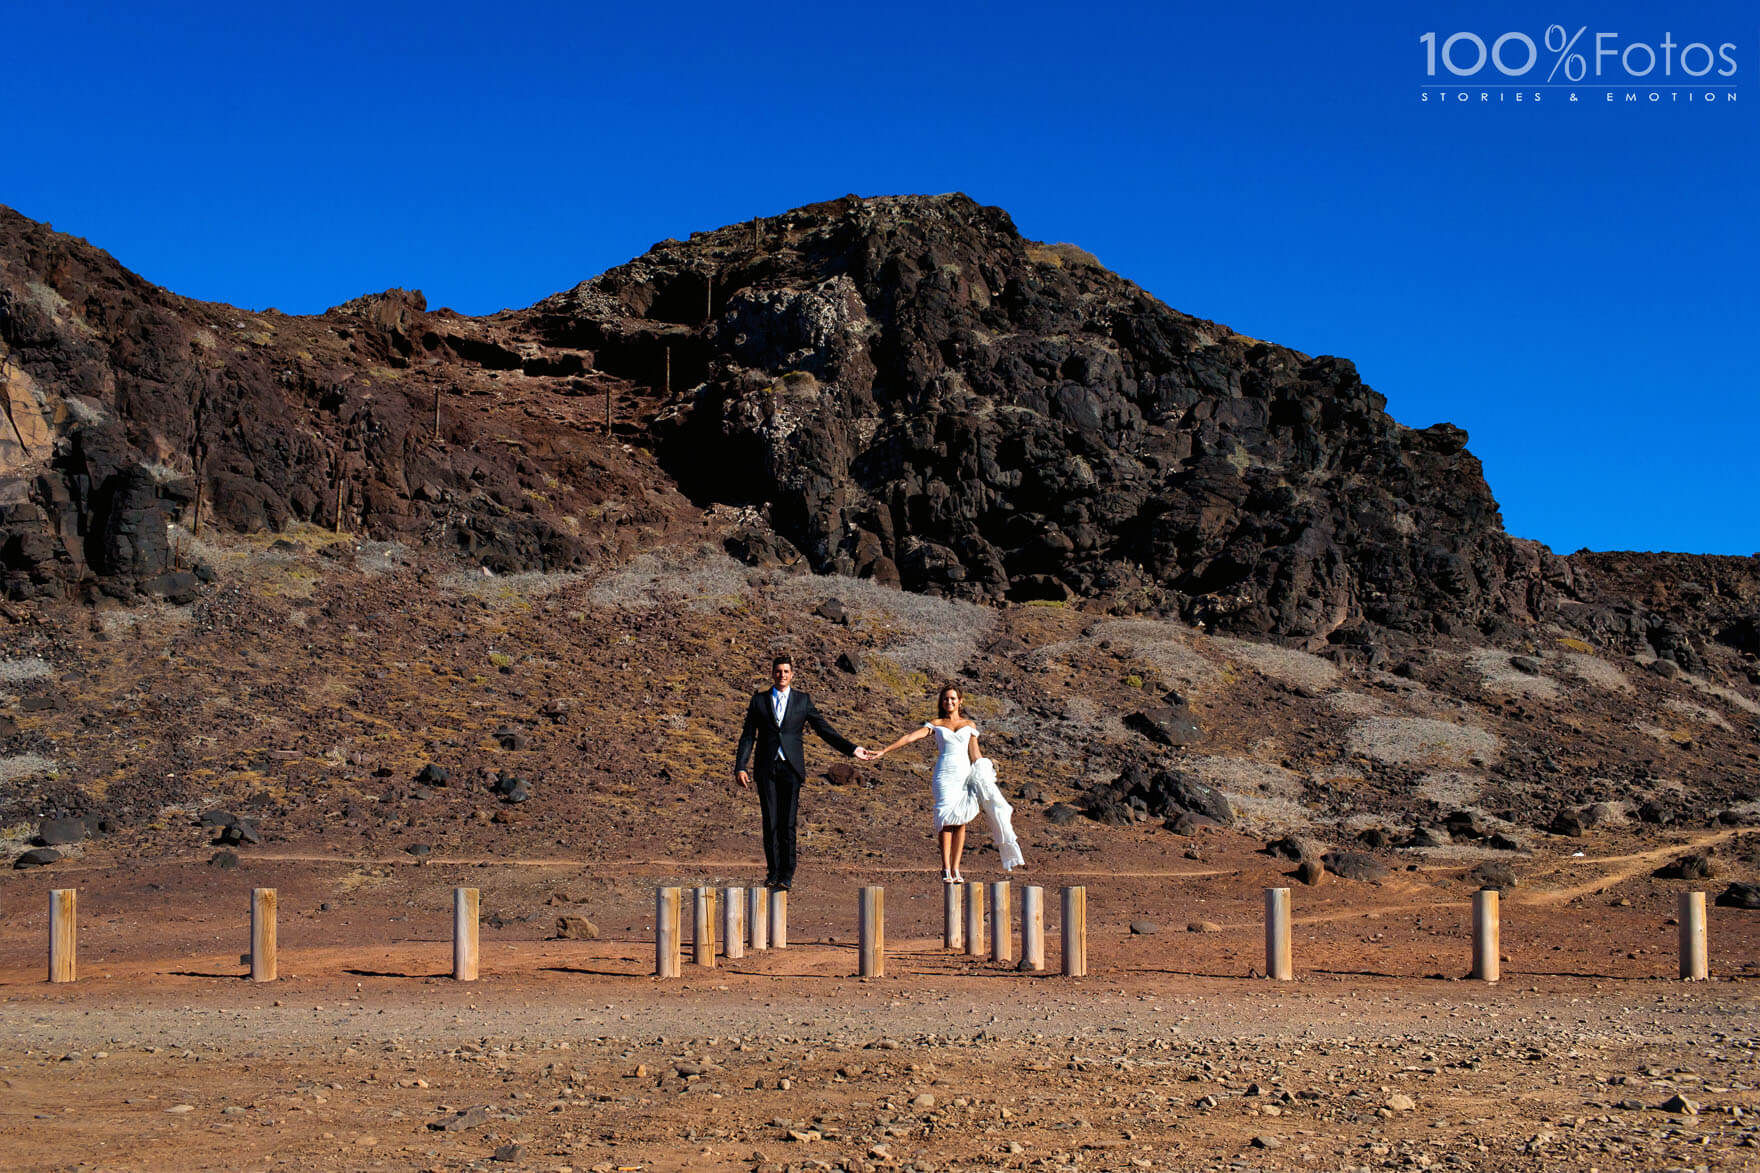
[
  {"x": 1033, "y": 927},
  {"x": 758, "y": 917},
  {"x": 733, "y": 923},
  {"x": 465, "y": 905},
  {"x": 1278, "y": 965},
  {"x": 63, "y": 934},
  {"x": 668, "y": 959},
  {"x": 779, "y": 919},
  {"x": 1694, "y": 964},
  {"x": 703, "y": 927},
  {"x": 953, "y": 929},
  {"x": 974, "y": 898},
  {"x": 1000, "y": 917},
  {"x": 871, "y": 930},
  {"x": 1487, "y": 934},
  {"x": 1075, "y": 932},
  {"x": 263, "y": 962}
]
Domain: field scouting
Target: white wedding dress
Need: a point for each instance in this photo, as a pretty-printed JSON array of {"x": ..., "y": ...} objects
[{"x": 963, "y": 788}]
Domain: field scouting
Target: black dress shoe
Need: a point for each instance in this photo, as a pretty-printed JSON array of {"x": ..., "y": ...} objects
[
  {"x": 769, "y": 881},
  {"x": 782, "y": 885}
]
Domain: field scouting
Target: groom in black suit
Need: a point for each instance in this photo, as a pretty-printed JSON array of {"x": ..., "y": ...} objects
[{"x": 775, "y": 721}]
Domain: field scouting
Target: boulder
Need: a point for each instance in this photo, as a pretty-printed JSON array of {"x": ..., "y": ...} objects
[
  {"x": 37, "y": 857},
  {"x": 1423, "y": 836},
  {"x": 1293, "y": 848},
  {"x": 1187, "y": 823},
  {"x": 840, "y": 773},
  {"x": 576, "y": 928},
  {"x": 1695, "y": 865},
  {"x": 1354, "y": 865},
  {"x": 1739, "y": 895},
  {"x": 1525, "y": 664},
  {"x": 433, "y": 775},
  {"x": 1572, "y": 823},
  {"x": 851, "y": 661},
  {"x": 240, "y": 831},
  {"x": 1144, "y": 928},
  {"x": 1059, "y": 814},
  {"x": 1494, "y": 874},
  {"x": 1166, "y": 725},
  {"x": 833, "y": 611},
  {"x": 1310, "y": 872},
  {"x": 60, "y": 832},
  {"x": 1465, "y": 824}
]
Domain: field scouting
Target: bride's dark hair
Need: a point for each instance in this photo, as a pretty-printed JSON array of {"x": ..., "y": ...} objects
[{"x": 941, "y": 709}]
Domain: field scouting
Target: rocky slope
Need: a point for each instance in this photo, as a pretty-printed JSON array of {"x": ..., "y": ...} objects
[{"x": 902, "y": 388}]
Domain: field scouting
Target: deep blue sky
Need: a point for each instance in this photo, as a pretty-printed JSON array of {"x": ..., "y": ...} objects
[{"x": 1573, "y": 284}]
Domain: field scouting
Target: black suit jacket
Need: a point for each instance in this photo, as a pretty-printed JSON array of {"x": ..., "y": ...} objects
[{"x": 763, "y": 732}]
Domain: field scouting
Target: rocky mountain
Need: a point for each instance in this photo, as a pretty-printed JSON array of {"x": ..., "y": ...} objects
[{"x": 903, "y": 388}]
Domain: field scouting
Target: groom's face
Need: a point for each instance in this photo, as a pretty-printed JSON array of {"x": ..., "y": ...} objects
[{"x": 782, "y": 675}]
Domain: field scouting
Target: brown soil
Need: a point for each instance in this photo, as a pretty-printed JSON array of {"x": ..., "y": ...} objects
[
  {"x": 364, "y": 1041},
  {"x": 305, "y": 691}
]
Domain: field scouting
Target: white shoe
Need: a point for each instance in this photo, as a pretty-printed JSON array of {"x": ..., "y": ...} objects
[
  {"x": 947, "y": 877},
  {"x": 958, "y": 879}
]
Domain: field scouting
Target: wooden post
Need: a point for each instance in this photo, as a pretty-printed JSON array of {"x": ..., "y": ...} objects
[
  {"x": 63, "y": 934},
  {"x": 263, "y": 961},
  {"x": 1000, "y": 918},
  {"x": 667, "y": 959},
  {"x": 871, "y": 928},
  {"x": 733, "y": 923},
  {"x": 758, "y": 917},
  {"x": 436, "y": 411},
  {"x": 709, "y": 301},
  {"x": 465, "y": 906},
  {"x": 974, "y": 919},
  {"x": 666, "y": 381},
  {"x": 779, "y": 919},
  {"x": 953, "y": 935},
  {"x": 1486, "y": 936},
  {"x": 703, "y": 928},
  {"x": 1278, "y": 966},
  {"x": 1075, "y": 932},
  {"x": 1033, "y": 927},
  {"x": 608, "y": 409},
  {"x": 341, "y": 480},
  {"x": 1694, "y": 965}
]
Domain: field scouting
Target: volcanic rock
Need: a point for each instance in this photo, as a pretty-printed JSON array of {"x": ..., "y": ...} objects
[
  {"x": 60, "y": 832},
  {"x": 1167, "y": 725},
  {"x": 1696, "y": 865},
  {"x": 1354, "y": 865},
  {"x": 1739, "y": 895},
  {"x": 37, "y": 857}
]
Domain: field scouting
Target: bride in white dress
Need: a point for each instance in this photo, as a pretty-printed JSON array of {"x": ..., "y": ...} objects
[{"x": 964, "y": 783}]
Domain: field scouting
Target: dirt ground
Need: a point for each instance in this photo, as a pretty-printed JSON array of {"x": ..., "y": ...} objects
[{"x": 1171, "y": 1054}]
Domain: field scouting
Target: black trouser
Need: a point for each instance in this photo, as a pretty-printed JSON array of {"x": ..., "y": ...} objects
[{"x": 779, "y": 796}]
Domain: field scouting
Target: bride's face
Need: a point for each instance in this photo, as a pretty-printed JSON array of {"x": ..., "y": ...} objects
[{"x": 950, "y": 703}]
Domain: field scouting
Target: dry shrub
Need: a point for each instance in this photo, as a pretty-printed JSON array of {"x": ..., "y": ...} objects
[
  {"x": 926, "y": 633},
  {"x": 19, "y": 671},
  {"x": 1164, "y": 645},
  {"x": 1596, "y": 671},
  {"x": 1265, "y": 798},
  {"x": 1727, "y": 695},
  {"x": 1420, "y": 741},
  {"x": 698, "y": 578},
  {"x": 1496, "y": 674},
  {"x": 1288, "y": 665},
  {"x": 26, "y": 765}
]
